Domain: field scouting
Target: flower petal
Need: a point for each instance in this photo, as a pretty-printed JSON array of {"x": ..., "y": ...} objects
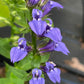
[
  {"x": 33, "y": 2},
  {"x": 46, "y": 8},
  {"x": 33, "y": 81},
  {"x": 36, "y": 14},
  {"x": 38, "y": 27},
  {"x": 17, "y": 54},
  {"x": 41, "y": 81},
  {"x": 50, "y": 46},
  {"x": 49, "y": 65},
  {"x": 54, "y": 35},
  {"x": 62, "y": 48},
  {"x": 36, "y": 72},
  {"x": 54, "y": 75},
  {"x": 13, "y": 50},
  {"x": 22, "y": 41},
  {"x": 37, "y": 81},
  {"x": 50, "y": 4},
  {"x": 57, "y": 74},
  {"x": 51, "y": 76},
  {"x": 55, "y": 4}
]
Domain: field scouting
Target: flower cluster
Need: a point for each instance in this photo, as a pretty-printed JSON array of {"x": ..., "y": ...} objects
[{"x": 42, "y": 29}]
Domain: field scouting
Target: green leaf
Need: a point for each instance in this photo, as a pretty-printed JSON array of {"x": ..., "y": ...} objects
[
  {"x": 20, "y": 74},
  {"x": 16, "y": 73},
  {"x": 26, "y": 63},
  {"x": 5, "y": 47},
  {"x": 44, "y": 58},
  {"x": 22, "y": 21},
  {"x": 22, "y": 16},
  {"x": 11, "y": 81},
  {"x": 36, "y": 61},
  {"x": 4, "y": 13},
  {"x": 4, "y": 20}
]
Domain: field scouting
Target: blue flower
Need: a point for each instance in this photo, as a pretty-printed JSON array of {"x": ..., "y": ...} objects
[
  {"x": 48, "y": 48},
  {"x": 53, "y": 73},
  {"x": 37, "y": 77},
  {"x": 37, "y": 14},
  {"x": 32, "y": 2},
  {"x": 50, "y": 4},
  {"x": 53, "y": 46},
  {"x": 56, "y": 44},
  {"x": 18, "y": 53},
  {"x": 54, "y": 34},
  {"x": 38, "y": 27}
]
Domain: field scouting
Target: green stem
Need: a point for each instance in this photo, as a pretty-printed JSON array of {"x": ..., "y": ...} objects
[
  {"x": 32, "y": 33},
  {"x": 33, "y": 36},
  {"x": 34, "y": 42}
]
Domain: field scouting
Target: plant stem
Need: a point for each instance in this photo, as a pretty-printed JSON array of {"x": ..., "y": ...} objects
[
  {"x": 34, "y": 42},
  {"x": 33, "y": 36}
]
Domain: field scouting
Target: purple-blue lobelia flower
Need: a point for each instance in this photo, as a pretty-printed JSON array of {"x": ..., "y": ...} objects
[
  {"x": 52, "y": 72},
  {"x": 38, "y": 27},
  {"x": 49, "y": 5},
  {"x": 55, "y": 35},
  {"x": 37, "y": 77},
  {"x": 52, "y": 33},
  {"x": 32, "y": 2},
  {"x": 19, "y": 52},
  {"x": 53, "y": 46},
  {"x": 37, "y": 14}
]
